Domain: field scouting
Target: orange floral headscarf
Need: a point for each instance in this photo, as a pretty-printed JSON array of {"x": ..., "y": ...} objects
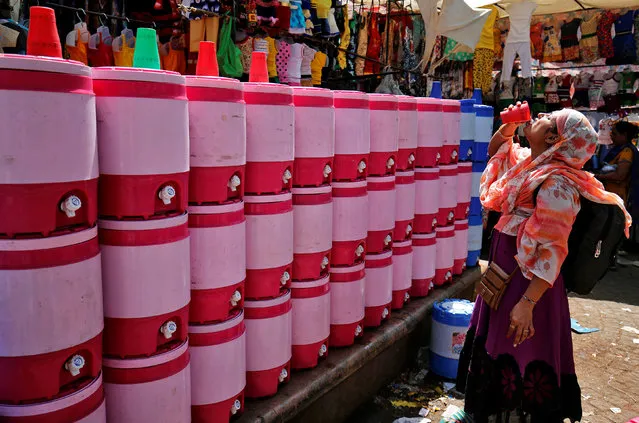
[{"x": 576, "y": 145}]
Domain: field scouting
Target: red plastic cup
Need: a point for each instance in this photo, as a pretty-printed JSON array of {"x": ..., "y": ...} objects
[
  {"x": 43, "y": 39},
  {"x": 518, "y": 114},
  {"x": 259, "y": 70},
  {"x": 207, "y": 60}
]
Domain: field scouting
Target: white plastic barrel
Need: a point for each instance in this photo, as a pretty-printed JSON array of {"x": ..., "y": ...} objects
[
  {"x": 452, "y": 117},
  {"x": 384, "y": 115},
  {"x": 444, "y": 258},
  {"x": 379, "y": 288},
  {"x": 352, "y": 141},
  {"x": 311, "y": 302},
  {"x": 404, "y": 205},
  {"x": 402, "y": 273},
  {"x": 347, "y": 304},
  {"x": 350, "y": 223},
  {"x": 430, "y": 137},
  {"x": 424, "y": 259},
  {"x": 408, "y": 132},
  {"x": 381, "y": 213},
  {"x": 427, "y": 187}
]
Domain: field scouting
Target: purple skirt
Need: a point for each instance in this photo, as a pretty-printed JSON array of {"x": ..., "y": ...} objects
[{"x": 534, "y": 382}]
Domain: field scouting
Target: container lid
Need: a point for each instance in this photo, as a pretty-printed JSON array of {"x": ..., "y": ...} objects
[
  {"x": 451, "y": 106},
  {"x": 213, "y": 82},
  {"x": 43, "y": 64},
  {"x": 468, "y": 105},
  {"x": 453, "y": 311},
  {"x": 283, "y": 298},
  {"x": 312, "y": 97},
  {"x": 482, "y": 110},
  {"x": 407, "y": 102},
  {"x": 350, "y": 99},
  {"x": 138, "y": 74},
  {"x": 267, "y": 87}
]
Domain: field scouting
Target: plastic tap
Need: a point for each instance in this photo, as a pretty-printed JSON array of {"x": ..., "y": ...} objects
[
  {"x": 166, "y": 194},
  {"x": 234, "y": 182},
  {"x": 70, "y": 205},
  {"x": 388, "y": 240},
  {"x": 168, "y": 329},
  {"x": 359, "y": 251},
  {"x": 385, "y": 313},
  {"x": 237, "y": 406},
  {"x": 322, "y": 350},
  {"x": 361, "y": 166},
  {"x": 285, "y": 278},
  {"x": 75, "y": 364},
  {"x": 286, "y": 176},
  {"x": 325, "y": 262},
  {"x": 411, "y": 158},
  {"x": 327, "y": 171},
  {"x": 358, "y": 330},
  {"x": 406, "y": 297},
  {"x": 390, "y": 163},
  {"x": 236, "y": 298},
  {"x": 283, "y": 375},
  {"x": 409, "y": 229}
]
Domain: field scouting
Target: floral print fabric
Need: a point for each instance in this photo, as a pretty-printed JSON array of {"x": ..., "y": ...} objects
[
  {"x": 511, "y": 178},
  {"x": 604, "y": 34}
]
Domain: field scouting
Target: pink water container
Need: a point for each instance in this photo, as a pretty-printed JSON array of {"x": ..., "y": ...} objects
[
  {"x": 50, "y": 315},
  {"x": 379, "y": 288},
  {"x": 464, "y": 187},
  {"x": 313, "y": 232},
  {"x": 269, "y": 245},
  {"x": 408, "y": 132},
  {"x": 348, "y": 304},
  {"x": 430, "y": 131},
  {"x": 218, "y": 370},
  {"x": 452, "y": 131},
  {"x": 424, "y": 256},
  {"x": 352, "y": 136},
  {"x": 311, "y": 322},
  {"x": 146, "y": 283},
  {"x": 268, "y": 344},
  {"x": 384, "y": 134},
  {"x": 217, "y": 130},
  {"x": 402, "y": 273},
  {"x": 381, "y": 214},
  {"x": 314, "y": 136},
  {"x": 149, "y": 389},
  {"x": 218, "y": 261},
  {"x": 426, "y": 200},
  {"x": 270, "y": 138},
  {"x": 49, "y": 170},
  {"x": 404, "y": 205},
  {"x": 144, "y": 154},
  {"x": 350, "y": 223},
  {"x": 461, "y": 247},
  {"x": 85, "y": 404},
  {"x": 444, "y": 259},
  {"x": 447, "y": 194}
]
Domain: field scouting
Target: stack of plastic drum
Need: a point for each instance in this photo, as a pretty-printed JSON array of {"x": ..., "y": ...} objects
[
  {"x": 217, "y": 226},
  {"x": 405, "y": 201},
  {"x": 144, "y": 239},
  {"x": 483, "y": 133},
  {"x": 270, "y": 145},
  {"x": 350, "y": 217},
  {"x": 430, "y": 139},
  {"x": 313, "y": 225},
  {"x": 51, "y": 319},
  {"x": 384, "y": 128},
  {"x": 464, "y": 183}
]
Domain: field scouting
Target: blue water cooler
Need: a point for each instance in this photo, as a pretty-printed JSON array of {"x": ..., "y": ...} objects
[{"x": 451, "y": 318}]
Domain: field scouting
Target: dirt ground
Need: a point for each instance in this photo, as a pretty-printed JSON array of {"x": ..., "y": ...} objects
[{"x": 607, "y": 362}]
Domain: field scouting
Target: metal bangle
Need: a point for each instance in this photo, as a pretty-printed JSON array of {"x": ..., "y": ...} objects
[{"x": 533, "y": 302}]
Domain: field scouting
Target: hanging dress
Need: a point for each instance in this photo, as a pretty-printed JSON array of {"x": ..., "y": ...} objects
[
  {"x": 124, "y": 57},
  {"x": 362, "y": 44},
  {"x": 281, "y": 60},
  {"x": 624, "y": 41},
  {"x": 551, "y": 90},
  {"x": 610, "y": 90},
  {"x": 552, "y": 47},
  {"x": 569, "y": 40},
  {"x": 604, "y": 34},
  {"x": 588, "y": 44},
  {"x": 79, "y": 51},
  {"x": 582, "y": 83},
  {"x": 595, "y": 92},
  {"x": 537, "y": 41},
  {"x": 102, "y": 54},
  {"x": 565, "y": 82},
  {"x": 374, "y": 45}
]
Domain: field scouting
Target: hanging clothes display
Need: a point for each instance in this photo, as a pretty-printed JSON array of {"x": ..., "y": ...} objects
[
  {"x": 246, "y": 47},
  {"x": 174, "y": 60},
  {"x": 569, "y": 40},
  {"x": 552, "y": 47},
  {"x": 308, "y": 54},
  {"x": 271, "y": 58},
  {"x": 582, "y": 84},
  {"x": 77, "y": 42},
  {"x": 551, "y": 90},
  {"x": 588, "y": 43},
  {"x": 604, "y": 34},
  {"x": 345, "y": 39},
  {"x": 625, "y": 50},
  {"x": 484, "y": 58},
  {"x": 374, "y": 45},
  {"x": 229, "y": 56},
  {"x": 294, "y": 67},
  {"x": 319, "y": 61},
  {"x": 536, "y": 40},
  {"x": 595, "y": 93},
  {"x": 518, "y": 41},
  {"x": 123, "y": 48},
  {"x": 281, "y": 60},
  {"x": 99, "y": 48},
  {"x": 297, "y": 23},
  {"x": 610, "y": 91},
  {"x": 362, "y": 44}
]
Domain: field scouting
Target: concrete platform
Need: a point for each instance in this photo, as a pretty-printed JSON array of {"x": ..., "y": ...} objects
[{"x": 349, "y": 376}]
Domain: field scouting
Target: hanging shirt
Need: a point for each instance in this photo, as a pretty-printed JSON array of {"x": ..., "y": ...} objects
[
  {"x": 486, "y": 39},
  {"x": 519, "y": 15}
]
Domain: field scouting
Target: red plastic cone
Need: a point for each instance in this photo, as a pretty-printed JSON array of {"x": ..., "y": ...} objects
[
  {"x": 207, "y": 60},
  {"x": 259, "y": 70},
  {"x": 43, "y": 39}
]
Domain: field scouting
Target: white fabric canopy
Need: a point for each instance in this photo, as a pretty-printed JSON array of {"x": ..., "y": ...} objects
[
  {"x": 547, "y": 7},
  {"x": 461, "y": 22}
]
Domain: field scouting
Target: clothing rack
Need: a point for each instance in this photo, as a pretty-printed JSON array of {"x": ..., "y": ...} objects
[
  {"x": 188, "y": 9},
  {"x": 100, "y": 15}
]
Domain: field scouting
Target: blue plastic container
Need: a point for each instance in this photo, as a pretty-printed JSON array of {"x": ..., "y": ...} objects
[
  {"x": 483, "y": 131},
  {"x": 475, "y": 236},
  {"x": 451, "y": 318},
  {"x": 467, "y": 129},
  {"x": 473, "y": 259}
]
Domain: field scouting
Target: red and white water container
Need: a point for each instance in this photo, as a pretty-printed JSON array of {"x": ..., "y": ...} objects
[
  {"x": 461, "y": 247},
  {"x": 402, "y": 273},
  {"x": 464, "y": 187},
  {"x": 352, "y": 141},
  {"x": 49, "y": 170},
  {"x": 426, "y": 200},
  {"x": 444, "y": 259},
  {"x": 424, "y": 258},
  {"x": 314, "y": 136},
  {"x": 381, "y": 214},
  {"x": 348, "y": 304},
  {"x": 51, "y": 317},
  {"x": 268, "y": 344},
  {"x": 144, "y": 154},
  {"x": 311, "y": 322},
  {"x": 149, "y": 389},
  {"x": 384, "y": 121},
  {"x": 430, "y": 131},
  {"x": 379, "y": 288},
  {"x": 218, "y": 370},
  {"x": 85, "y": 405},
  {"x": 350, "y": 223},
  {"x": 218, "y": 261},
  {"x": 269, "y": 245},
  {"x": 447, "y": 194},
  {"x": 312, "y": 236},
  {"x": 404, "y": 205},
  {"x": 452, "y": 131},
  {"x": 146, "y": 284},
  {"x": 217, "y": 131},
  {"x": 270, "y": 138},
  {"x": 408, "y": 132}
]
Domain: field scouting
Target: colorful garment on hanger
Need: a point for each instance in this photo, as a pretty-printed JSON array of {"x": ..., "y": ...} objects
[
  {"x": 345, "y": 40},
  {"x": 362, "y": 44},
  {"x": 281, "y": 60},
  {"x": 499, "y": 37},
  {"x": 569, "y": 40},
  {"x": 588, "y": 43},
  {"x": 318, "y": 63},
  {"x": 124, "y": 57},
  {"x": 486, "y": 39},
  {"x": 595, "y": 92},
  {"x": 374, "y": 45},
  {"x": 551, "y": 90},
  {"x": 536, "y": 40},
  {"x": 610, "y": 90},
  {"x": 79, "y": 51},
  {"x": 266, "y": 12},
  {"x": 203, "y": 29},
  {"x": 624, "y": 41},
  {"x": 297, "y": 21},
  {"x": 582, "y": 84},
  {"x": 538, "y": 86},
  {"x": 483, "y": 63},
  {"x": 294, "y": 67},
  {"x": 175, "y": 60},
  {"x": 102, "y": 55},
  {"x": 409, "y": 59},
  {"x": 565, "y": 82},
  {"x": 271, "y": 60},
  {"x": 552, "y": 47},
  {"x": 246, "y": 47},
  {"x": 604, "y": 34},
  {"x": 308, "y": 54}
]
